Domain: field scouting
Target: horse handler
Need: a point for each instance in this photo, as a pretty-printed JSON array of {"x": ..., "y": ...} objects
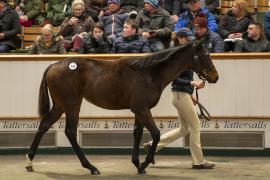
[{"x": 182, "y": 90}]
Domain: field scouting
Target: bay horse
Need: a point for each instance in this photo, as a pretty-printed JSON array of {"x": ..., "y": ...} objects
[{"x": 134, "y": 83}]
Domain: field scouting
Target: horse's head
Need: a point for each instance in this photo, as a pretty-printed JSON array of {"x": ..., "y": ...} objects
[{"x": 203, "y": 65}]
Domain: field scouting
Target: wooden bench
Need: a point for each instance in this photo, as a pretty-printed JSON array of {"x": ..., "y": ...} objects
[{"x": 29, "y": 34}]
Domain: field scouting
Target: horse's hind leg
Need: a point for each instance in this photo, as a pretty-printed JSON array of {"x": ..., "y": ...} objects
[
  {"x": 44, "y": 125},
  {"x": 137, "y": 135},
  {"x": 71, "y": 133}
]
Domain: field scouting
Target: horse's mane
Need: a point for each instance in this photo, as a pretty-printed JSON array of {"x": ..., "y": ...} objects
[{"x": 154, "y": 58}]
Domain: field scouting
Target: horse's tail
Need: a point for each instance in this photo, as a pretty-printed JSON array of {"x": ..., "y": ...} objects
[{"x": 43, "y": 100}]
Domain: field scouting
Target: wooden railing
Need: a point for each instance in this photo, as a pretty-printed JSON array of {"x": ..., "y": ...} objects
[{"x": 59, "y": 57}]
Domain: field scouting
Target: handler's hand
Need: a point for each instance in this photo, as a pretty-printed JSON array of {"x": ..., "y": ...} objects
[{"x": 198, "y": 84}]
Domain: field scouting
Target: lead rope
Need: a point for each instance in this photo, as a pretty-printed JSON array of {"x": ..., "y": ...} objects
[{"x": 204, "y": 111}]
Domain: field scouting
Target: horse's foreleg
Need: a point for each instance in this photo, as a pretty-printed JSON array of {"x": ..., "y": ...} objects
[
  {"x": 146, "y": 119},
  {"x": 44, "y": 125},
  {"x": 71, "y": 133},
  {"x": 137, "y": 135}
]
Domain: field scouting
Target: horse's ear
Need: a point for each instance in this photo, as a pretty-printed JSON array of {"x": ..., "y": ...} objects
[{"x": 198, "y": 44}]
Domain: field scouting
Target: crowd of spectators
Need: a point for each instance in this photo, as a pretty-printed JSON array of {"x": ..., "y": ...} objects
[{"x": 120, "y": 26}]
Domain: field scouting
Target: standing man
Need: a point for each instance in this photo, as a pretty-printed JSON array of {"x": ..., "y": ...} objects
[
  {"x": 9, "y": 27},
  {"x": 130, "y": 41},
  {"x": 155, "y": 25}
]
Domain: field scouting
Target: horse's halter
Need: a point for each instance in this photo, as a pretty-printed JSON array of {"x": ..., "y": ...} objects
[{"x": 202, "y": 72}]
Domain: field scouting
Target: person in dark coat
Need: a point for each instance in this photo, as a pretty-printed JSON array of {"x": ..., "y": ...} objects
[
  {"x": 236, "y": 21},
  {"x": 212, "y": 41},
  {"x": 95, "y": 42},
  {"x": 214, "y": 7},
  {"x": 94, "y": 7},
  {"x": 267, "y": 24},
  {"x": 234, "y": 24},
  {"x": 9, "y": 27},
  {"x": 155, "y": 25},
  {"x": 130, "y": 41},
  {"x": 113, "y": 19},
  {"x": 255, "y": 41},
  {"x": 174, "y": 7},
  {"x": 72, "y": 27}
]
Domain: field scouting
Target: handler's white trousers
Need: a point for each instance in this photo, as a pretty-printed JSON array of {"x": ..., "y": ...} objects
[{"x": 189, "y": 122}]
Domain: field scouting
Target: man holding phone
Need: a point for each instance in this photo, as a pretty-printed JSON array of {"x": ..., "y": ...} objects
[{"x": 155, "y": 24}]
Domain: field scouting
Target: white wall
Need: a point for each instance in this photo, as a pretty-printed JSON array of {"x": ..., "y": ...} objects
[{"x": 242, "y": 90}]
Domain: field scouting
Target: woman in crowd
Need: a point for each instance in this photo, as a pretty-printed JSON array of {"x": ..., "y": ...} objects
[
  {"x": 47, "y": 42},
  {"x": 72, "y": 27},
  {"x": 95, "y": 41},
  {"x": 236, "y": 21}
]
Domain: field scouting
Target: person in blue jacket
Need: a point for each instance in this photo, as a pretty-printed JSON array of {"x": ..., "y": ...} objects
[
  {"x": 194, "y": 9},
  {"x": 267, "y": 24}
]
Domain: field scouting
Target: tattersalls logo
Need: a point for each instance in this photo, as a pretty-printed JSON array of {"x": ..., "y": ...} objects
[
  {"x": 129, "y": 124},
  {"x": 19, "y": 125},
  {"x": 245, "y": 125}
]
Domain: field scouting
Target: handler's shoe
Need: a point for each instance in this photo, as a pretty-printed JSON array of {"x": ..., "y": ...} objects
[{"x": 206, "y": 165}]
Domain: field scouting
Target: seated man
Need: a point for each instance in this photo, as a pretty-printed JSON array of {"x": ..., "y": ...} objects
[
  {"x": 154, "y": 24},
  {"x": 255, "y": 41},
  {"x": 212, "y": 41},
  {"x": 113, "y": 19},
  {"x": 194, "y": 9},
  {"x": 130, "y": 41},
  {"x": 9, "y": 27},
  {"x": 48, "y": 43}
]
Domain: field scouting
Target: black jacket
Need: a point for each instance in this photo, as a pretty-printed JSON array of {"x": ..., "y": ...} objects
[
  {"x": 91, "y": 45},
  {"x": 229, "y": 24},
  {"x": 131, "y": 44},
  {"x": 250, "y": 45},
  {"x": 182, "y": 82},
  {"x": 10, "y": 26},
  {"x": 213, "y": 42}
]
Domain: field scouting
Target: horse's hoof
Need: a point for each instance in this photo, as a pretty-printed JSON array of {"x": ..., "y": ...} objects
[
  {"x": 29, "y": 168},
  {"x": 141, "y": 171},
  {"x": 153, "y": 162},
  {"x": 95, "y": 172},
  {"x": 136, "y": 163}
]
